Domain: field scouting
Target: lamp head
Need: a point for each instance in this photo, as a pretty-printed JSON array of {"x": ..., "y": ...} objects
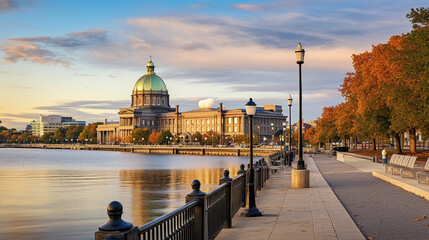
[
  {"x": 250, "y": 107},
  {"x": 289, "y": 100},
  {"x": 299, "y": 52}
]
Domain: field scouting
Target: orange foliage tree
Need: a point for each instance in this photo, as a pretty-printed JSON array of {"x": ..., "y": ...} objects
[{"x": 153, "y": 137}]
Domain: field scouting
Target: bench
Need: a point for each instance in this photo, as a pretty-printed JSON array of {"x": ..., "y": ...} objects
[
  {"x": 424, "y": 173},
  {"x": 272, "y": 167},
  {"x": 402, "y": 164}
]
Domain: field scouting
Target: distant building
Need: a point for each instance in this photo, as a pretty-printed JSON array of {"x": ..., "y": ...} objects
[
  {"x": 50, "y": 123},
  {"x": 150, "y": 108}
]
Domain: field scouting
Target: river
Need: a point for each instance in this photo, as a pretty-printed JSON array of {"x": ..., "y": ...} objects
[{"x": 63, "y": 194}]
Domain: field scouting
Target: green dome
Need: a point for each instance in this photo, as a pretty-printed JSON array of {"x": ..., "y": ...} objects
[{"x": 150, "y": 81}]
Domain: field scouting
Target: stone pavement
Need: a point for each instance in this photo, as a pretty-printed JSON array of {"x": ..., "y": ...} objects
[{"x": 308, "y": 213}]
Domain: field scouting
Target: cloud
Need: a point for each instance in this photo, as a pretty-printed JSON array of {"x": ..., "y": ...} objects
[
  {"x": 51, "y": 50},
  {"x": 7, "y": 5},
  {"x": 265, "y": 7},
  {"x": 206, "y": 103},
  {"x": 13, "y": 5}
]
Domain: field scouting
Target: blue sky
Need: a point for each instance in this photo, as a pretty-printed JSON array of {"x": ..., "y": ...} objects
[{"x": 82, "y": 58}]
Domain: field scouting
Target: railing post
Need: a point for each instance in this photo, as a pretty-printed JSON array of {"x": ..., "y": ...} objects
[
  {"x": 228, "y": 180},
  {"x": 116, "y": 228},
  {"x": 201, "y": 220},
  {"x": 243, "y": 171}
]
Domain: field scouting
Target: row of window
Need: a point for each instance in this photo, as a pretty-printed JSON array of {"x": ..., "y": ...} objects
[{"x": 158, "y": 101}]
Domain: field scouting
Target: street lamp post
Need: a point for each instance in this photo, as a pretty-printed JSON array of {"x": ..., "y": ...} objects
[
  {"x": 300, "y": 177},
  {"x": 284, "y": 142},
  {"x": 300, "y": 60},
  {"x": 272, "y": 133},
  {"x": 289, "y": 103},
  {"x": 252, "y": 211}
]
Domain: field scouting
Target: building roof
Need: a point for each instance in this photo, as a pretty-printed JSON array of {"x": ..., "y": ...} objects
[{"x": 150, "y": 81}]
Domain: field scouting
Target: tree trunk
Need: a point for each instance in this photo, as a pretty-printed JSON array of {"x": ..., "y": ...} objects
[
  {"x": 413, "y": 140},
  {"x": 356, "y": 143},
  {"x": 398, "y": 143},
  {"x": 374, "y": 147}
]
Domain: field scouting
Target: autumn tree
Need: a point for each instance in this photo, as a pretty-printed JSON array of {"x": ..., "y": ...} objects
[
  {"x": 89, "y": 133},
  {"x": 153, "y": 137}
]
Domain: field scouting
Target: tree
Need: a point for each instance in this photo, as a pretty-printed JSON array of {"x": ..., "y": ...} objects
[
  {"x": 164, "y": 137},
  {"x": 412, "y": 100},
  {"x": 46, "y": 137},
  {"x": 153, "y": 137},
  {"x": 73, "y": 132},
  {"x": 419, "y": 17},
  {"x": 139, "y": 135},
  {"x": 60, "y": 134},
  {"x": 89, "y": 133},
  {"x": 198, "y": 136}
]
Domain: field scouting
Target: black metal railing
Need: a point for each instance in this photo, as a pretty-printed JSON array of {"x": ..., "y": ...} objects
[
  {"x": 217, "y": 209},
  {"x": 202, "y": 217},
  {"x": 178, "y": 224}
]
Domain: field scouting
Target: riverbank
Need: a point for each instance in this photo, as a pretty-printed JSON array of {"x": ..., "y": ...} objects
[{"x": 153, "y": 149}]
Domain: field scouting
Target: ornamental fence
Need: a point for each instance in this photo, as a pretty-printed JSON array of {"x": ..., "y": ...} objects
[{"x": 202, "y": 217}]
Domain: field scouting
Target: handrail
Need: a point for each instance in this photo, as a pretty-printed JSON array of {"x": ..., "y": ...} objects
[
  {"x": 202, "y": 217},
  {"x": 154, "y": 223}
]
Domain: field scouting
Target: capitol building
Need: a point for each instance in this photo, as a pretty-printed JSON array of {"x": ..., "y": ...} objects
[{"x": 150, "y": 108}]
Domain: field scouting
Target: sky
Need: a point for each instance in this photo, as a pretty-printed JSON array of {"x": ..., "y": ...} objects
[{"x": 82, "y": 58}]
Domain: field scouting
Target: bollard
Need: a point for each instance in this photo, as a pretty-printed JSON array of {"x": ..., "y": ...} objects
[
  {"x": 201, "y": 220},
  {"x": 228, "y": 180},
  {"x": 384, "y": 156},
  {"x": 116, "y": 228}
]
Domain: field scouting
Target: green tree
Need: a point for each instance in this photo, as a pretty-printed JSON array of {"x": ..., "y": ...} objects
[
  {"x": 411, "y": 98},
  {"x": 419, "y": 17},
  {"x": 140, "y": 135},
  {"x": 164, "y": 137},
  {"x": 60, "y": 134},
  {"x": 197, "y": 135},
  {"x": 46, "y": 137},
  {"x": 73, "y": 132}
]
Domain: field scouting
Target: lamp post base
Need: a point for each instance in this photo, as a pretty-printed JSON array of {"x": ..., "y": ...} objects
[
  {"x": 251, "y": 212},
  {"x": 300, "y": 178}
]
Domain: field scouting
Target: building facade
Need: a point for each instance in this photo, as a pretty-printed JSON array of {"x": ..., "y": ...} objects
[
  {"x": 50, "y": 123},
  {"x": 150, "y": 108}
]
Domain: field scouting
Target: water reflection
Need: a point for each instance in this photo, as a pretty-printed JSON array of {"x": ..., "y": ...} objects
[
  {"x": 39, "y": 200},
  {"x": 156, "y": 192}
]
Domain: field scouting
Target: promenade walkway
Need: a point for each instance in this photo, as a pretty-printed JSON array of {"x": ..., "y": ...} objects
[{"x": 309, "y": 213}]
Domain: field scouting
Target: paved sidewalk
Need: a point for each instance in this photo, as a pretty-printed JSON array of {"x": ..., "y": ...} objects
[
  {"x": 308, "y": 213},
  {"x": 377, "y": 170}
]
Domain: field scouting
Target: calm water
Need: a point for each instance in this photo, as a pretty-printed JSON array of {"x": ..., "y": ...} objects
[{"x": 63, "y": 194}]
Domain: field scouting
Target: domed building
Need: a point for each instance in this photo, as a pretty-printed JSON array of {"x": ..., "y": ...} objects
[
  {"x": 150, "y": 108},
  {"x": 150, "y": 91}
]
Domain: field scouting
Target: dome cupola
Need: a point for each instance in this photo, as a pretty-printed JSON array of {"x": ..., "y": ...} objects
[
  {"x": 150, "y": 90},
  {"x": 150, "y": 81}
]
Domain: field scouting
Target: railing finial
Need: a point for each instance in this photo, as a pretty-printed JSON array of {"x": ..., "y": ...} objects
[
  {"x": 242, "y": 170},
  {"x": 115, "y": 223},
  {"x": 226, "y": 177},
  {"x": 196, "y": 185}
]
